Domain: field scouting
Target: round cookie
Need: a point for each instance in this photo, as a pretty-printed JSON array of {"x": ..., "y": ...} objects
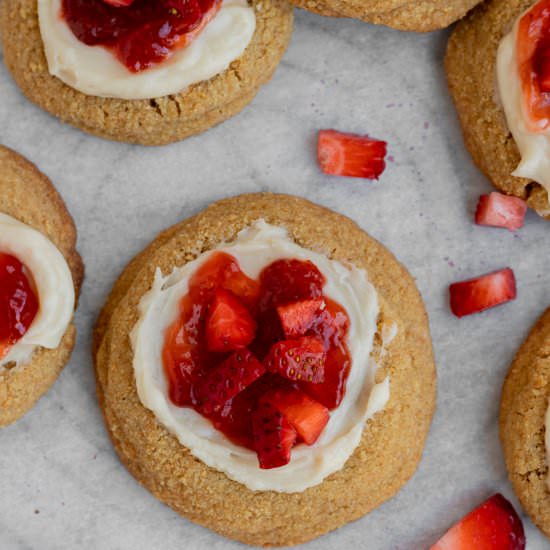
[
  {"x": 523, "y": 408},
  {"x": 154, "y": 121},
  {"x": 29, "y": 196},
  {"x": 471, "y": 68},
  {"x": 421, "y": 16},
  {"x": 392, "y": 444}
]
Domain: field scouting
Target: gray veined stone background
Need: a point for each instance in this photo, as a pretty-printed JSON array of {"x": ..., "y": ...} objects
[{"x": 61, "y": 485}]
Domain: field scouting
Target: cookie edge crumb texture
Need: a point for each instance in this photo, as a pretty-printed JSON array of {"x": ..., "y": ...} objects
[
  {"x": 29, "y": 196},
  {"x": 470, "y": 64},
  {"x": 392, "y": 445},
  {"x": 523, "y": 408},
  {"x": 157, "y": 121},
  {"x": 421, "y": 16}
]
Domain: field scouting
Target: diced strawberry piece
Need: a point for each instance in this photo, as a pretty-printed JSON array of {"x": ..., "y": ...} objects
[
  {"x": 273, "y": 436},
  {"x": 299, "y": 359},
  {"x": 119, "y": 3},
  {"x": 229, "y": 325},
  {"x": 498, "y": 210},
  {"x": 494, "y": 525},
  {"x": 475, "y": 295},
  {"x": 297, "y": 317},
  {"x": 307, "y": 416},
  {"x": 342, "y": 154},
  {"x": 226, "y": 380}
]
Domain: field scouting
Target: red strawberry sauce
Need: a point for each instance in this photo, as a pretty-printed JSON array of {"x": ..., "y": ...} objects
[
  {"x": 18, "y": 302},
  {"x": 533, "y": 52},
  {"x": 142, "y": 34},
  {"x": 186, "y": 357}
]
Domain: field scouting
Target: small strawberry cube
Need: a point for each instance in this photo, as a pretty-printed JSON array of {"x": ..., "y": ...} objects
[
  {"x": 297, "y": 317},
  {"x": 300, "y": 359},
  {"x": 307, "y": 416},
  {"x": 475, "y": 295},
  {"x": 274, "y": 437},
  {"x": 494, "y": 525},
  {"x": 229, "y": 325},
  {"x": 498, "y": 210},
  {"x": 225, "y": 381},
  {"x": 342, "y": 154}
]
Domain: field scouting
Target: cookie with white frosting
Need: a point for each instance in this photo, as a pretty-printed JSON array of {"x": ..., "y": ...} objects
[
  {"x": 40, "y": 278},
  {"x": 328, "y": 351},
  {"x": 149, "y": 87},
  {"x": 422, "y": 16},
  {"x": 525, "y": 423},
  {"x": 496, "y": 77}
]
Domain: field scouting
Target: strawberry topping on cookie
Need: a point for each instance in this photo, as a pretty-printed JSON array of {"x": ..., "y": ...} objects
[
  {"x": 140, "y": 33},
  {"x": 533, "y": 52},
  {"x": 265, "y": 361},
  {"x": 18, "y": 302}
]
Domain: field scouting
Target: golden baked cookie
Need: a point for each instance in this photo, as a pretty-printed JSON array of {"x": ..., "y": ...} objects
[
  {"x": 525, "y": 399},
  {"x": 471, "y": 68},
  {"x": 421, "y": 16},
  {"x": 29, "y": 196},
  {"x": 391, "y": 444},
  {"x": 148, "y": 121}
]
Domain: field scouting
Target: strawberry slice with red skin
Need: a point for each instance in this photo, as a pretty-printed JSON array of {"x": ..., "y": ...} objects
[
  {"x": 494, "y": 525},
  {"x": 307, "y": 416},
  {"x": 475, "y": 295},
  {"x": 297, "y": 317},
  {"x": 273, "y": 435},
  {"x": 353, "y": 155},
  {"x": 299, "y": 359},
  {"x": 225, "y": 381},
  {"x": 498, "y": 210},
  {"x": 229, "y": 325},
  {"x": 119, "y": 3}
]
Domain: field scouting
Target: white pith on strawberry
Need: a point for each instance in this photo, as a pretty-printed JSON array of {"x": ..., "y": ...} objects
[{"x": 498, "y": 210}]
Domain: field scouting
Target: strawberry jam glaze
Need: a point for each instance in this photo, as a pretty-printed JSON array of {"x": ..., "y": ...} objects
[
  {"x": 18, "y": 302},
  {"x": 186, "y": 358},
  {"x": 533, "y": 53},
  {"x": 142, "y": 34}
]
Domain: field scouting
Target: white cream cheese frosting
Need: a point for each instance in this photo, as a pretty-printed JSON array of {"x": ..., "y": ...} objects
[
  {"x": 255, "y": 248},
  {"x": 534, "y": 147},
  {"x": 54, "y": 287},
  {"x": 95, "y": 71}
]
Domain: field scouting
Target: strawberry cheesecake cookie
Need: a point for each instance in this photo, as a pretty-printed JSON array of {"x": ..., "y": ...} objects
[
  {"x": 498, "y": 69},
  {"x": 525, "y": 424},
  {"x": 265, "y": 368},
  {"x": 421, "y": 16},
  {"x": 40, "y": 277},
  {"x": 141, "y": 71}
]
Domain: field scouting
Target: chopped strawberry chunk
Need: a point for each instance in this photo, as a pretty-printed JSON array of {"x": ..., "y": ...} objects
[
  {"x": 498, "y": 210},
  {"x": 544, "y": 69},
  {"x": 299, "y": 359},
  {"x": 229, "y": 325},
  {"x": 297, "y": 317},
  {"x": 273, "y": 436},
  {"x": 342, "y": 154},
  {"x": 119, "y": 3},
  {"x": 494, "y": 525},
  {"x": 483, "y": 292},
  {"x": 307, "y": 416},
  {"x": 226, "y": 380}
]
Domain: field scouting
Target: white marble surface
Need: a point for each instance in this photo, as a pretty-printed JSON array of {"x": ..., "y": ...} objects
[{"x": 62, "y": 487}]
